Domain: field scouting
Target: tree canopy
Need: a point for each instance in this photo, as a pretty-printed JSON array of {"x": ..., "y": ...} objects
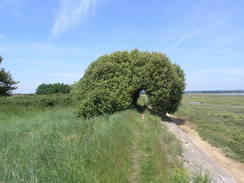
[
  {"x": 7, "y": 84},
  {"x": 45, "y": 89},
  {"x": 113, "y": 83}
]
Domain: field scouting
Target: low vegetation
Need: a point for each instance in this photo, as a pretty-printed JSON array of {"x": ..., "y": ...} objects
[
  {"x": 49, "y": 144},
  {"x": 52, "y": 145},
  {"x": 157, "y": 152},
  {"x": 35, "y": 101},
  {"x": 219, "y": 120}
]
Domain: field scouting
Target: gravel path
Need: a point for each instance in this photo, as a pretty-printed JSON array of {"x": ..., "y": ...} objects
[{"x": 196, "y": 158}]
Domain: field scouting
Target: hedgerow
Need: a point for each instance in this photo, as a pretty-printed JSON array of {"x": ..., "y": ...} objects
[
  {"x": 46, "y": 89},
  {"x": 113, "y": 82},
  {"x": 37, "y": 100}
]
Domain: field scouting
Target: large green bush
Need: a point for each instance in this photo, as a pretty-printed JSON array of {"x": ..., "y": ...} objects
[{"x": 113, "y": 82}]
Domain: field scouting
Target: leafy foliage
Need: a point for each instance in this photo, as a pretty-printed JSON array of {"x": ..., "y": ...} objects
[
  {"x": 36, "y": 100},
  {"x": 112, "y": 83},
  {"x": 45, "y": 89},
  {"x": 7, "y": 84}
]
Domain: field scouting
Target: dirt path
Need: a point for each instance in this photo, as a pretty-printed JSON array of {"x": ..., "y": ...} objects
[
  {"x": 199, "y": 155},
  {"x": 136, "y": 155},
  {"x": 135, "y": 167}
]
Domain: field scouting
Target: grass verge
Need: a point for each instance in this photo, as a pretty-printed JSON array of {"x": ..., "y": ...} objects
[
  {"x": 157, "y": 153},
  {"x": 51, "y": 145}
]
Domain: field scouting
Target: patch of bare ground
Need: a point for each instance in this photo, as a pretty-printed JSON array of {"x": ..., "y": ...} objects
[
  {"x": 212, "y": 159},
  {"x": 235, "y": 168}
]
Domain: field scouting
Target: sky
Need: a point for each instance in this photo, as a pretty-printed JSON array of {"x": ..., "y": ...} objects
[{"x": 45, "y": 41}]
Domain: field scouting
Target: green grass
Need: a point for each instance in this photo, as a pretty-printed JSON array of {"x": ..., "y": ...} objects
[
  {"x": 36, "y": 100},
  {"x": 219, "y": 120},
  {"x": 49, "y": 144},
  {"x": 158, "y": 150},
  {"x": 201, "y": 178},
  {"x": 52, "y": 145}
]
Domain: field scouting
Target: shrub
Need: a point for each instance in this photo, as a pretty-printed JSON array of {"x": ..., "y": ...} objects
[
  {"x": 45, "y": 89},
  {"x": 113, "y": 82},
  {"x": 37, "y": 100}
]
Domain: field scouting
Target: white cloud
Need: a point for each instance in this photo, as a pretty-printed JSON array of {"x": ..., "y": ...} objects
[
  {"x": 186, "y": 36},
  {"x": 71, "y": 14}
]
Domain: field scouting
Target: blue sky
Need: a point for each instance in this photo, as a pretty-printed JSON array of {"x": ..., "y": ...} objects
[{"x": 45, "y": 41}]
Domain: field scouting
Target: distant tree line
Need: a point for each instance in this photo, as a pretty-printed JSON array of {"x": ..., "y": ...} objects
[
  {"x": 7, "y": 84},
  {"x": 216, "y": 91},
  {"x": 45, "y": 89}
]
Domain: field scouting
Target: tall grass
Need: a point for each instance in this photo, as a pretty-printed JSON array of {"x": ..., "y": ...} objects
[
  {"x": 158, "y": 153},
  {"x": 54, "y": 146},
  {"x": 49, "y": 144}
]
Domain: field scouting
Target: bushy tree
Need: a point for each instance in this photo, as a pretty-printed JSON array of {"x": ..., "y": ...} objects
[
  {"x": 45, "y": 89},
  {"x": 113, "y": 82},
  {"x": 7, "y": 84},
  {"x": 42, "y": 89}
]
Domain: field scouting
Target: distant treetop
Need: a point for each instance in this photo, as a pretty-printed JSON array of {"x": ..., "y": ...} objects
[
  {"x": 45, "y": 89},
  {"x": 7, "y": 84}
]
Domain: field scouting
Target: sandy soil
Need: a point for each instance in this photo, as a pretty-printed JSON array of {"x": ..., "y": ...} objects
[{"x": 199, "y": 155}]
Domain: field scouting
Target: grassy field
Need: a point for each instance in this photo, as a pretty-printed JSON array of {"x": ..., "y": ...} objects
[
  {"x": 49, "y": 144},
  {"x": 219, "y": 120}
]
